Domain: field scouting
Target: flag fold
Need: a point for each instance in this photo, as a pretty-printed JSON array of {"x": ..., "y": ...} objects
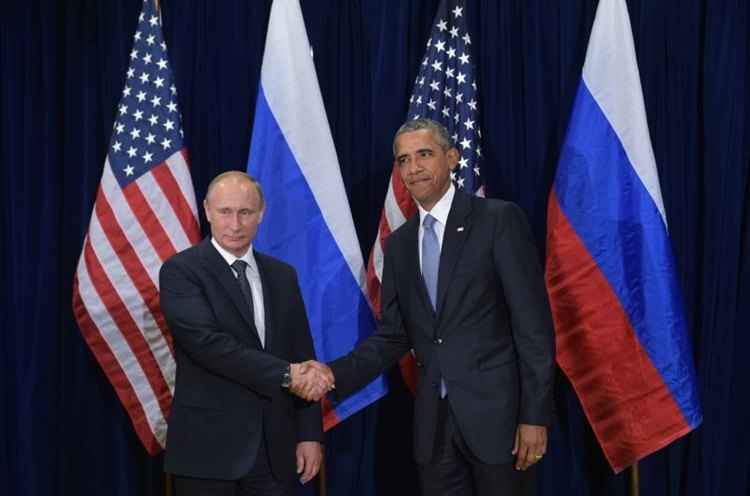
[{"x": 619, "y": 320}]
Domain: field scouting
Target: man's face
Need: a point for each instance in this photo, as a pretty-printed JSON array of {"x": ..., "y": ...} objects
[
  {"x": 234, "y": 211},
  {"x": 424, "y": 166}
]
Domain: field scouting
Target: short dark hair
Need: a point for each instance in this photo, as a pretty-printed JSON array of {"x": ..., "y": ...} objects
[{"x": 438, "y": 131}]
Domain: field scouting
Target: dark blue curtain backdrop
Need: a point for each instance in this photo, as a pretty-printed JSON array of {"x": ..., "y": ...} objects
[{"x": 62, "y": 430}]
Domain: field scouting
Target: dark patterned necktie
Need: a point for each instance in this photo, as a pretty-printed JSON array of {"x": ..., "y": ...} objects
[{"x": 239, "y": 266}]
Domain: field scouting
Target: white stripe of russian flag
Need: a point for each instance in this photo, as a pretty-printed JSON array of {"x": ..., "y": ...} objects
[
  {"x": 294, "y": 97},
  {"x": 611, "y": 75}
]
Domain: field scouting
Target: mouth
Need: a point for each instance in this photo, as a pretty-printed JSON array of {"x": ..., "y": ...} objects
[{"x": 419, "y": 180}]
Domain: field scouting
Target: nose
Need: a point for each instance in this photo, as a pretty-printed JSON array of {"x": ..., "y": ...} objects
[
  {"x": 414, "y": 165},
  {"x": 235, "y": 223}
]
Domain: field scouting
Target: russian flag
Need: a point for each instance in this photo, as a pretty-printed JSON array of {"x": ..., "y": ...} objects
[
  {"x": 619, "y": 319},
  {"x": 307, "y": 221}
]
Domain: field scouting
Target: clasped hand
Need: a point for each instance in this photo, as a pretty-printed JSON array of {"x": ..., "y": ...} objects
[{"x": 311, "y": 380}]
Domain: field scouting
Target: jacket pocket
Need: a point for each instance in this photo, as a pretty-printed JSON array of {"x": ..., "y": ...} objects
[{"x": 496, "y": 362}]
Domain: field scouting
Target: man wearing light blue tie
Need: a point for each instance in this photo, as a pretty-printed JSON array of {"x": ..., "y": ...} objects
[{"x": 463, "y": 287}]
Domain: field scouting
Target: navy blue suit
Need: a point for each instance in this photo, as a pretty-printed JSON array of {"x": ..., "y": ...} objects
[
  {"x": 228, "y": 395},
  {"x": 490, "y": 337}
]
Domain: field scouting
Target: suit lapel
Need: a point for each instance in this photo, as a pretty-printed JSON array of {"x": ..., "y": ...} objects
[
  {"x": 456, "y": 231},
  {"x": 265, "y": 282},
  {"x": 217, "y": 266},
  {"x": 411, "y": 259}
]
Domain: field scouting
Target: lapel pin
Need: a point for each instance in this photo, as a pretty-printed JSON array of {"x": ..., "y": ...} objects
[{"x": 460, "y": 229}]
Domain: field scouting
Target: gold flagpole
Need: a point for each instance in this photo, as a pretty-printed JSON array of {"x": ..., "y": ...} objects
[
  {"x": 322, "y": 482},
  {"x": 634, "y": 480},
  {"x": 168, "y": 484}
]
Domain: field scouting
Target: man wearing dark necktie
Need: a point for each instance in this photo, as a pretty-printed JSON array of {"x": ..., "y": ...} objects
[
  {"x": 240, "y": 331},
  {"x": 463, "y": 287}
]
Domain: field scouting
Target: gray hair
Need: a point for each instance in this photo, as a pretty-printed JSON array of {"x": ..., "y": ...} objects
[
  {"x": 438, "y": 131},
  {"x": 238, "y": 175}
]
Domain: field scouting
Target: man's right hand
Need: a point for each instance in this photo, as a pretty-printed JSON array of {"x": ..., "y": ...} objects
[{"x": 311, "y": 380}]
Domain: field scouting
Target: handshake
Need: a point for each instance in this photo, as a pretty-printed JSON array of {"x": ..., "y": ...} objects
[{"x": 311, "y": 380}]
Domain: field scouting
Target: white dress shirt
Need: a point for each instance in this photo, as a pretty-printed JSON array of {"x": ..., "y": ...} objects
[
  {"x": 253, "y": 277},
  {"x": 440, "y": 212}
]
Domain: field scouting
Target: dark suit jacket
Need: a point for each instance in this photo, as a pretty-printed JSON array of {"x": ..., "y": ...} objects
[
  {"x": 490, "y": 338},
  {"x": 228, "y": 389}
]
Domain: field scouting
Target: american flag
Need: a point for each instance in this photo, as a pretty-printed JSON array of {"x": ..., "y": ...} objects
[
  {"x": 445, "y": 90},
  {"x": 144, "y": 212}
]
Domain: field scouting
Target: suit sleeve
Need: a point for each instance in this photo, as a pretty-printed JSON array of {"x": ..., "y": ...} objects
[
  {"x": 309, "y": 418},
  {"x": 194, "y": 328},
  {"x": 382, "y": 349},
  {"x": 515, "y": 258}
]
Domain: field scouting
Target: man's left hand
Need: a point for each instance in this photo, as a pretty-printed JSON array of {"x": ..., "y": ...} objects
[
  {"x": 309, "y": 458},
  {"x": 530, "y": 445}
]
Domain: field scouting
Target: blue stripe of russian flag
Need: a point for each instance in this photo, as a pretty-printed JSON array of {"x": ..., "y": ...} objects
[{"x": 307, "y": 220}]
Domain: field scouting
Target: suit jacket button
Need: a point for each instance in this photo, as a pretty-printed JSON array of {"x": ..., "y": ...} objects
[
  {"x": 438, "y": 341},
  {"x": 420, "y": 364}
]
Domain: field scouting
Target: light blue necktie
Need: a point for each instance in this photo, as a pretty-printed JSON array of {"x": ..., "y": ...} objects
[
  {"x": 430, "y": 267},
  {"x": 430, "y": 258}
]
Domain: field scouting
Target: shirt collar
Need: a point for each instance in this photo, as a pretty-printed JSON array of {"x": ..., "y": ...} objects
[
  {"x": 248, "y": 257},
  {"x": 441, "y": 209}
]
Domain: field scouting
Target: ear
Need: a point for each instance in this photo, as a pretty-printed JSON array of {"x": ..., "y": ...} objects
[
  {"x": 206, "y": 211},
  {"x": 260, "y": 215},
  {"x": 453, "y": 157},
  {"x": 400, "y": 172}
]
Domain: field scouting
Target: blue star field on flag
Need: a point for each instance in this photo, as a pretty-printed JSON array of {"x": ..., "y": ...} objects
[
  {"x": 446, "y": 91},
  {"x": 147, "y": 129}
]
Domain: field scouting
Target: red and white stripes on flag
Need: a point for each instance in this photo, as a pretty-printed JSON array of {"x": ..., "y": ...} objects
[
  {"x": 116, "y": 295},
  {"x": 144, "y": 212}
]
